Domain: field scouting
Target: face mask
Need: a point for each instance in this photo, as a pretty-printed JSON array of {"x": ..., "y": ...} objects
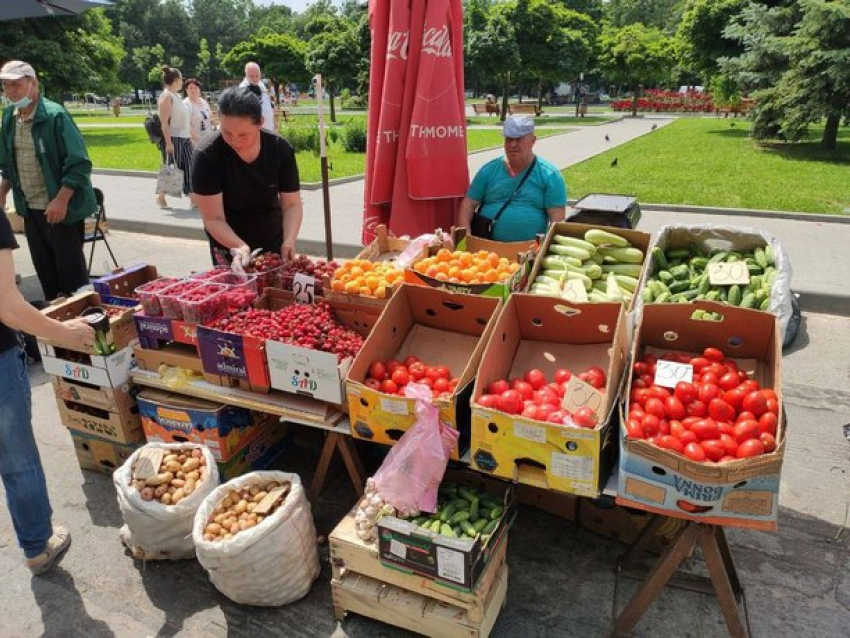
[{"x": 24, "y": 102}]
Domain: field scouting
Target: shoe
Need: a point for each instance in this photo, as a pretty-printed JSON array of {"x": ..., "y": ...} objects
[
  {"x": 161, "y": 203},
  {"x": 56, "y": 546}
]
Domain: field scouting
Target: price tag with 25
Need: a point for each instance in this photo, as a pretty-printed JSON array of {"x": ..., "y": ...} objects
[
  {"x": 728, "y": 273},
  {"x": 669, "y": 373},
  {"x": 579, "y": 394},
  {"x": 304, "y": 287}
]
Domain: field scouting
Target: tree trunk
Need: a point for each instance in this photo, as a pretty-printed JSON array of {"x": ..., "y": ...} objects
[
  {"x": 540, "y": 94},
  {"x": 506, "y": 88},
  {"x": 331, "y": 101},
  {"x": 635, "y": 100},
  {"x": 830, "y": 131}
]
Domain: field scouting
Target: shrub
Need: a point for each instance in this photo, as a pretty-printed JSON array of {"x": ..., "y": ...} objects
[
  {"x": 354, "y": 136},
  {"x": 302, "y": 138}
]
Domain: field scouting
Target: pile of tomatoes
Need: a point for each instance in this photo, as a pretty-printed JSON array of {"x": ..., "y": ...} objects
[
  {"x": 721, "y": 416},
  {"x": 392, "y": 376}
]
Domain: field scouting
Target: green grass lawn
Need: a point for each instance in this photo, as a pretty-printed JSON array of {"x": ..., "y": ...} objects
[
  {"x": 109, "y": 119},
  {"x": 713, "y": 162},
  {"x": 545, "y": 120}
]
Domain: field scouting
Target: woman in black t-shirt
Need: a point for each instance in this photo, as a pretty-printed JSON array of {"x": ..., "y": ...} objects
[{"x": 246, "y": 183}]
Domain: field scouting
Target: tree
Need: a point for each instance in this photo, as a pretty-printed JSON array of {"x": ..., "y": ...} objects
[
  {"x": 204, "y": 60},
  {"x": 221, "y": 22},
  {"x": 663, "y": 14},
  {"x": 336, "y": 55},
  {"x": 701, "y": 40},
  {"x": 635, "y": 55},
  {"x": 281, "y": 58},
  {"x": 494, "y": 51}
]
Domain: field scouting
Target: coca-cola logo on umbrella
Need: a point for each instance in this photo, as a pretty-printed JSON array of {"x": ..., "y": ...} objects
[
  {"x": 437, "y": 42},
  {"x": 397, "y": 44}
]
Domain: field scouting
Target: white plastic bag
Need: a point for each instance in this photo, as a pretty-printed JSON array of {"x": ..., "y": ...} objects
[
  {"x": 169, "y": 181},
  {"x": 272, "y": 564},
  {"x": 153, "y": 531},
  {"x": 708, "y": 236}
]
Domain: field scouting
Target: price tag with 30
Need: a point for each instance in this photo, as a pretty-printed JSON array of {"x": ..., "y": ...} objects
[
  {"x": 304, "y": 287},
  {"x": 579, "y": 394},
  {"x": 728, "y": 273},
  {"x": 669, "y": 373}
]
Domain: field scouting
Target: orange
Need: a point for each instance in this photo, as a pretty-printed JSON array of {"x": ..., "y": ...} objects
[
  {"x": 441, "y": 276},
  {"x": 381, "y": 292},
  {"x": 432, "y": 271},
  {"x": 352, "y": 287},
  {"x": 337, "y": 285}
]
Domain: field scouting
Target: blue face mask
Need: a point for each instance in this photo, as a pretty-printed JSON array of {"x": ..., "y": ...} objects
[{"x": 23, "y": 103}]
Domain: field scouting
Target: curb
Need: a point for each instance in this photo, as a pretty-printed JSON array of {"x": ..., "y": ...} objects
[{"x": 305, "y": 186}]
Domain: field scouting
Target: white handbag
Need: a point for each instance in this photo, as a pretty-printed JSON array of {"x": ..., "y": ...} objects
[{"x": 170, "y": 179}]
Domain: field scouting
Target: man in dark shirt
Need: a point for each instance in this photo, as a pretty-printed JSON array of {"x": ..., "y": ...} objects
[
  {"x": 20, "y": 464},
  {"x": 246, "y": 183}
]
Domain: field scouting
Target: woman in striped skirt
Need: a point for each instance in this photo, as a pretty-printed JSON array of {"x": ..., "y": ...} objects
[{"x": 176, "y": 131}]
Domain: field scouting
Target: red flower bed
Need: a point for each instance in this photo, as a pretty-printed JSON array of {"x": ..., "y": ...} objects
[{"x": 658, "y": 101}]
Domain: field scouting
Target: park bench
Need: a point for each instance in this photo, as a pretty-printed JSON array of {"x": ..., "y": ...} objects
[
  {"x": 742, "y": 108},
  {"x": 524, "y": 109},
  {"x": 486, "y": 109},
  {"x": 280, "y": 113}
]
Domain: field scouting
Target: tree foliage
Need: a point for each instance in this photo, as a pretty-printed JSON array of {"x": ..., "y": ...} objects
[
  {"x": 701, "y": 39},
  {"x": 663, "y": 14},
  {"x": 336, "y": 55},
  {"x": 494, "y": 50}
]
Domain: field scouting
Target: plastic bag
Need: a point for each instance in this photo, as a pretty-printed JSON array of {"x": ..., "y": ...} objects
[
  {"x": 421, "y": 245},
  {"x": 413, "y": 470},
  {"x": 708, "y": 236},
  {"x": 272, "y": 564},
  {"x": 153, "y": 531},
  {"x": 169, "y": 181}
]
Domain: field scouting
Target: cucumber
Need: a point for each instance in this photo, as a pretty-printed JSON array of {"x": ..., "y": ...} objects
[
  {"x": 678, "y": 253},
  {"x": 679, "y": 286},
  {"x": 601, "y": 237},
  {"x": 626, "y": 282},
  {"x": 463, "y": 515},
  {"x": 473, "y": 509},
  {"x": 632, "y": 270},
  {"x": 748, "y": 301},
  {"x": 446, "y": 530},
  {"x": 698, "y": 263},
  {"x": 659, "y": 258},
  {"x": 592, "y": 269},
  {"x": 565, "y": 240},
  {"x": 664, "y": 297},
  {"x": 769, "y": 257},
  {"x": 490, "y": 528},
  {"x": 734, "y": 295},
  {"x": 765, "y": 304},
  {"x": 704, "y": 285},
  {"x": 497, "y": 512},
  {"x": 646, "y": 295},
  {"x": 623, "y": 255},
  {"x": 569, "y": 251},
  {"x": 680, "y": 272},
  {"x": 468, "y": 529},
  {"x": 665, "y": 276},
  {"x": 480, "y": 524},
  {"x": 718, "y": 257},
  {"x": 447, "y": 512},
  {"x": 759, "y": 256}
]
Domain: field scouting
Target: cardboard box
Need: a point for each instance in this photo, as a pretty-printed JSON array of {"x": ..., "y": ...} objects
[
  {"x": 742, "y": 493},
  {"x": 385, "y": 247},
  {"x": 623, "y": 524},
  {"x": 439, "y": 327},
  {"x": 112, "y": 371},
  {"x": 120, "y": 325},
  {"x": 548, "y": 333},
  {"x": 455, "y": 562},
  {"x": 636, "y": 238},
  {"x": 174, "y": 418},
  {"x": 157, "y": 331},
  {"x": 118, "y": 399},
  {"x": 118, "y": 427},
  {"x": 259, "y": 452},
  {"x": 122, "y": 283},
  {"x": 99, "y": 455},
  {"x": 520, "y": 251},
  {"x": 175, "y": 355},
  {"x": 312, "y": 373}
]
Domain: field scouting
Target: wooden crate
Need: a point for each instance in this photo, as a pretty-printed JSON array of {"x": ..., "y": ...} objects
[{"x": 362, "y": 585}]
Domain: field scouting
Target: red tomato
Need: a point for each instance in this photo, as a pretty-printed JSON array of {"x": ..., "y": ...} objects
[
  {"x": 705, "y": 429},
  {"x": 755, "y": 402},
  {"x": 707, "y": 392},
  {"x": 585, "y": 418},
  {"x": 749, "y": 386},
  {"x": 634, "y": 430},
  {"x": 770, "y": 394},
  {"x": 730, "y": 445},
  {"x": 727, "y": 458},
  {"x": 640, "y": 395},
  {"x": 655, "y": 406},
  {"x": 543, "y": 411},
  {"x": 529, "y": 412},
  {"x": 443, "y": 372},
  {"x": 746, "y": 430},
  {"x": 453, "y": 383},
  {"x": 750, "y": 448},
  {"x": 510, "y": 401},
  {"x": 688, "y": 437},
  {"x": 677, "y": 428},
  {"x": 392, "y": 365},
  {"x": 489, "y": 401},
  {"x": 694, "y": 452},
  {"x": 657, "y": 392},
  {"x": 769, "y": 442},
  {"x": 524, "y": 388},
  {"x": 734, "y": 397},
  {"x": 686, "y": 392},
  {"x": 557, "y": 388},
  {"x": 696, "y": 408},
  {"x": 599, "y": 373},
  {"x": 441, "y": 385},
  {"x": 699, "y": 363},
  {"x": 719, "y": 410},
  {"x": 745, "y": 416},
  {"x": 497, "y": 387},
  {"x": 546, "y": 395},
  {"x": 430, "y": 383},
  {"x": 638, "y": 383},
  {"x": 562, "y": 375},
  {"x": 713, "y": 354},
  {"x": 400, "y": 376},
  {"x": 710, "y": 378},
  {"x": 417, "y": 370},
  {"x": 689, "y": 421},
  {"x": 373, "y": 383},
  {"x": 669, "y": 442},
  {"x": 649, "y": 359},
  {"x": 389, "y": 386},
  {"x": 377, "y": 370},
  {"x": 664, "y": 427},
  {"x": 535, "y": 378},
  {"x": 772, "y": 406},
  {"x": 636, "y": 412},
  {"x": 557, "y": 416},
  {"x": 726, "y": 428},
  {"x": 714, "y": 450},
  {"x": 729, "y": 381},
  {"x": 640, "y": 368},
  {"x": 400, "y": 392},
  {"x": 650, "y": 424},
  {"x": 768, "y": 423},
  {"x": 432, "y": 373},
  {"x": 410, "y": 360}
]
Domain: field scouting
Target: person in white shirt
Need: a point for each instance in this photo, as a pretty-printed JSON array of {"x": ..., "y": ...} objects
[
  {"x": 253, "y": 75},
  {"x": 201, "y": 116},
  {"x": 176, "y": 145}
]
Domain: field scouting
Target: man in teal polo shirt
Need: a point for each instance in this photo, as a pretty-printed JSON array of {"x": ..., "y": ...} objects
[{"x": 541, "y": 199}]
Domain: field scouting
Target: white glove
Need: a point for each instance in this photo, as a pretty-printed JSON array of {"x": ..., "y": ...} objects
[{"x": 241, "y": 258}]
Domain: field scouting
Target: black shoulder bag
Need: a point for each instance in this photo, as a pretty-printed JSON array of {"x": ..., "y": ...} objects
[{"x": 482, "y": 226}]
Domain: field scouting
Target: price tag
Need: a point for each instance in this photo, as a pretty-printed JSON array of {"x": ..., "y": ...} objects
[
  {"x": 398, "y": 548},
  {"x": 450, "y": 564},
  {"x": 394, "y": 406},
  {"x": 265, "y": 505},
  {"x": 304, "y": 287},
  {"x": 530, "y": 432},
  {"x": 669, "y": 373},
  {"x": 147, "y": 463},
  {"x": 574, "y": 291},
  {"x": 579, "y": 394},
  {"x": 728, "y": 273}
]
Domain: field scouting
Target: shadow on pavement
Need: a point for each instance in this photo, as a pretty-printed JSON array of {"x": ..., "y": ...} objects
[
  {"x": 178, "y": 588},
  {"x": 101, "y": 501},
  {"x": 63, "y": 612}
]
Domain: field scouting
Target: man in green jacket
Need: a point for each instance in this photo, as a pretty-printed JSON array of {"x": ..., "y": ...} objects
[{"x": 45, "y": 164}]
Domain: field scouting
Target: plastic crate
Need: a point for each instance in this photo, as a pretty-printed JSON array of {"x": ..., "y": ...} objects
[{"x": 148, "y": 294}]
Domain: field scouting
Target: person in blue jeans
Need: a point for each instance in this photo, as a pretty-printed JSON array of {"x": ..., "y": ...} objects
[
  {"x": 20, "y": 463},
  {"x": 541, "y": 199}
]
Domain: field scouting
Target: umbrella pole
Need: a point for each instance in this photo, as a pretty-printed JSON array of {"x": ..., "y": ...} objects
[{"x": 323, "y": 153}]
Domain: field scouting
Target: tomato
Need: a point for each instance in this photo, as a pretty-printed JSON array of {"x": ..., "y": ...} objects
[
  {"x": 727, "y": 458},
  {"x": 430, "y": 383},
  {"x": 489, "y": 400},
  {"x": 584, "y": 418},
  {"x": 746, "y": 430},
  {"x": 719, "y": 410},
  {"x": 677, "y": 428},
  {"x": 389, "y": 386},
  {"x": 749, "y": 386},
  {"x": 707, "y": 392},
  {"x": 694, "y": 452},
  {"x": 640, "y": 395},
  {"x": 417, "y": 370},
  {"x": 373, "y": 383},
  {"x": 688, "y": 437},
  {"x": 755, "y": 402},
  {"x": 669, "y": 442},
  {"x": 400, "y": 376},
  {"x": 655, "y": 406},
  {"x": 599, "y": 375},
  {"x": 696, "y": 408},
  {"x": 689, "y": 421},
  {"x": 649, "y": 359},
  {"x": 657, "y": 392},
  {"x": 705, "y": 429},
  {"x": 770, "y": 394},
  {"x": 510, "y": 401},
  {"x": 543, "y": 411},
  {"x": 400, "y": 392},
  {"x": 650, "y": 424},
  {"x": 529, "y": 412},
  {"x": 640, "y": 368},
  {"x": 377, "y": 370},
  {"x": 726, "y": 428},
  {"x": 769, "y": 442},
  {"x": 535, "y": 378},
  {"x": 441, "y": 385},
  {"x": 562, "y": 375},
  {"x": 686, "y": 392},
  {"x": 558, "y": 389},
  {"x": 698, "y": 363},
  {"x": 636, "y": 412},
  {"x": 664, "y": 427},
  {"x": 524, "y": 388},
  {"x": 768, "y": 423},
  {"x": 546, "y": 395},
  {"x": 497, "y": 387},
  {"x": 410, "y": 360},
  {"x": 453, "y": 383},
  {"x": 734, "y": 397},
  {"x": 557, "y": 416},
  {"x": 710, "y": 378},
  {"x": 730, "y": 445},
  {"x": 773, "y": 406},
  {"x": 713, "y": 354},
  {"x": 745, "y": 416},
  {"x": 634, "y": 430},
  {"x": 432, "y": 373},
  {"x": 639, "y": 383},
  {"x": 750, "y": 448},
  {"x": 729, "y": 381},
  {"x": 713, "y": 449},
  {"x": 443, "y": 372},
  {"x": 392, "y": 365}
]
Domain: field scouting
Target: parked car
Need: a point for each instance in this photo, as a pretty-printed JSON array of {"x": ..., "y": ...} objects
[{"x": 91, "y": 98}]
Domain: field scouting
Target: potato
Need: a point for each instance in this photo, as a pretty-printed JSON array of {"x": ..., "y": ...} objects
[
  {"x": 189, "y": 487},
  {"x": 160, "y": 490},
  {"x": 147, "y": 494},
  {"x": 194, "y": 475},
  {"x": 254, "y": 490},
  {"x": 213, "y": 528},
  {"x": 165, "y": 499},
  {"x": 259, "y": 496},
  {"x": 178, "y": 495},
  {"x": 203, "y": 461},
  {"x": 140, "y": 484},
  {"x": 178, "y": 482},
  {"x": 197, "y": 453},
  {"x": 181, "y": 458},
  {"x": 172, "y": 466},
  {"x": 241, "y": 506},
  {"x": 191, "y": 464},
  {"x": 159, "y": 479},
  {"x": 220, "y": 518},
  {"x": 234, "y": 529}
]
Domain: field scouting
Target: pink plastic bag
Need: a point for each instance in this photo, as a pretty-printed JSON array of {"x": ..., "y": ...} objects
[{"x": 411, "y": 473}]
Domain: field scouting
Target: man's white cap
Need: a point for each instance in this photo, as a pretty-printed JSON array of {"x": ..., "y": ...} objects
[
  {"x": 15, "y": 70},
  {"x": 518, "y": 126}
]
